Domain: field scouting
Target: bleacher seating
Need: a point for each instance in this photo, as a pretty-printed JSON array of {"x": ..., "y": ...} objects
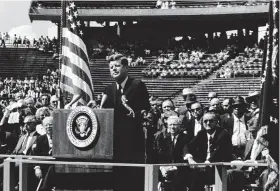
[
  {"x": 159, "y": 88},
  {"x": 225, "y": 87},
  {"x": 242, "y": 66},
  {"x": 22, "y": 62},
  {"x": 198, "y": 67},
  {"x": 146, "y": 4},
  {"x": 25, "y": 62}
]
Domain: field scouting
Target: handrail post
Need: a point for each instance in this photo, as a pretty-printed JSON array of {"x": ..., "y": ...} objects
[
  {"x": 151, "y": 177},
  {"x": 23, "y": 176},
  {"x": 9, "y": 175},
  {"x": 220, "y": 178}
]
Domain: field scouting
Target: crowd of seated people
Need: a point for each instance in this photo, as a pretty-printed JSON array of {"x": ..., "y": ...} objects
[
  {"x": 222, "y": 131},
  {"x": 247, "y": 64},
  {"x": 193, "y": 64},
  {"x": 43, "y": 43},
  {"x": 163, "y": 4},
  {"x": 166, "y": 4}
]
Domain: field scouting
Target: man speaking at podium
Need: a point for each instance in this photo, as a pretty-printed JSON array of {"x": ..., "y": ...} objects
[{"x": 129, "y": 98}]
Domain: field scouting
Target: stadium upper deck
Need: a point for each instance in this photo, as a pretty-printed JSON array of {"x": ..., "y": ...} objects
[{"x": 136, "y": 10}]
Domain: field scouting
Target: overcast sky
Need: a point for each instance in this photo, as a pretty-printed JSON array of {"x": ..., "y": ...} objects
[{"x": 14, "y": 18}]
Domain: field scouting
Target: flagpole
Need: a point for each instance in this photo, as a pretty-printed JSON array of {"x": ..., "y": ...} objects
[{"x": 62, "y": 24}]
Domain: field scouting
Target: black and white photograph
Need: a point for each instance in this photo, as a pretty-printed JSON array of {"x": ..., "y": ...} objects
[{"x": 139, "y": 95}]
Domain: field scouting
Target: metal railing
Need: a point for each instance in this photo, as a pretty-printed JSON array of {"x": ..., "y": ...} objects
[{"x": 150, "y": 176}]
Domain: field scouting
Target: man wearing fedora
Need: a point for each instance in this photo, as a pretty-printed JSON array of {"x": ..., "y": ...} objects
[
  {"x": 236, "y": 124},
  {"x": 189, "y": 98}
]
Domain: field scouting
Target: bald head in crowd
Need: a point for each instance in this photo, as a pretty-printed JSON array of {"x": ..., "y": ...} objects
[
  {"x": 168, "y": 105},
  {"x": 227, "y": 105}
]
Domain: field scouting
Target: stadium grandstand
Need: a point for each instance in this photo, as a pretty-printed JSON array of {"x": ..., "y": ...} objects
[{"x": 209, "y": 49}]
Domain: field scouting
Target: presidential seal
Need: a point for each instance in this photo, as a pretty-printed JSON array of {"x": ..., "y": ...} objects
[{"x": 82, "y": 126}]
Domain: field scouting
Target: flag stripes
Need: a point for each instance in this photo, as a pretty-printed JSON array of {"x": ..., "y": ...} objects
[{"x": 75, "y": 74}]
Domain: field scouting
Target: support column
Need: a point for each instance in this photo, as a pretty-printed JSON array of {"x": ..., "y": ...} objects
[
  {"x": 255, "y": 34},
  {"x": 23, "y": 176},
  {"x": 151, "y": 177},
  {"x": 220, "y": 178},
  {"x": 58, "y": 30},
  {"x": 9, "y": 175}
]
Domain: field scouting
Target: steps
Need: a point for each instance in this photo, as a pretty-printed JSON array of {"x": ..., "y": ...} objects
[
  {"x": 22, "y": 62},
  {"x": 225, "y": 88}
]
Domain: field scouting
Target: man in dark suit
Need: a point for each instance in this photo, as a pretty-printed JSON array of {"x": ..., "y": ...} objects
[
  {"x": 44, "y": 148},
  {"x": 171, "y": 149},
  {"x": 212, "y": 144},
  {"x": 236, "y": 125},
  {"x": 189, "y": 98},
  {"x": 195, "y": 124},
  {"x": 129, "y": 98}
]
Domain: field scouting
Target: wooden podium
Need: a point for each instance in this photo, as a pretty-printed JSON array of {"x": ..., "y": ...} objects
[{"x": 101, "y": 149}]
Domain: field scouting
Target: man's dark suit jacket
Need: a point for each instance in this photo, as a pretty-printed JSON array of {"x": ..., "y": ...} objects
[
  {"x": 188, "y": 125},
  {"x": 42, "y": 146},
  {"x": 20, "y": 141},
  {"x": 221, "y": 144},
  {"x": 167, "y": 153},
  {"x": 128, "y": 134},
  {"x": 227, "y": 122}
]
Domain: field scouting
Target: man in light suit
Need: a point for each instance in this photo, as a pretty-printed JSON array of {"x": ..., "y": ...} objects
[
  {"x": 130, "y": 99},
  {"x": 26, "y": 141},
  {"x": 212, "y": 144},
  {"x": 25, "y": 146}
]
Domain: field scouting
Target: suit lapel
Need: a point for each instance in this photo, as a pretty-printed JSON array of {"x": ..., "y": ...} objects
[
  {"x": 231, "y": 124},
  {"x": 33, "y": 139},
  {"x": 127, "y": 85},
  {"x": 18, "y": 147}
]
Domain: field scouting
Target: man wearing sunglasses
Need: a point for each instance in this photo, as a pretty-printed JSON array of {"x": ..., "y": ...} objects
[
  {"x": 196, "y": 122},
  {"x": 211, "y": 144}
]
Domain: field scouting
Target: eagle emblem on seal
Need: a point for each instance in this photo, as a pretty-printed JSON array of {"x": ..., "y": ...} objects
[{"x": 82, "y": 127}]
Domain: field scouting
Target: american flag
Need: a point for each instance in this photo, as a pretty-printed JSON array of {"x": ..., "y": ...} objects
[
  {"x": 75, "y": 74},
  {"x": 268, "y": 135}
]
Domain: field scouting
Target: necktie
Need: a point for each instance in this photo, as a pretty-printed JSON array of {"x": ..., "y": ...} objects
[
  {"x": 119, "y": 95},
  {"x": 174, "y": 141},
  {"x": 211, "y": 149}
]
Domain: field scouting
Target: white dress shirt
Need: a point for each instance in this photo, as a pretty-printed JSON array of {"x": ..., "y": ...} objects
[
  {"x": 239, "y": 130},
  {"x": 197, "y": 127},
  {"x": 122, "y": 84}
]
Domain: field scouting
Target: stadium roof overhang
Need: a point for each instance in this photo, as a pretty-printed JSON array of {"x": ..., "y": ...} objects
[{"x": 258, "y": 13}]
